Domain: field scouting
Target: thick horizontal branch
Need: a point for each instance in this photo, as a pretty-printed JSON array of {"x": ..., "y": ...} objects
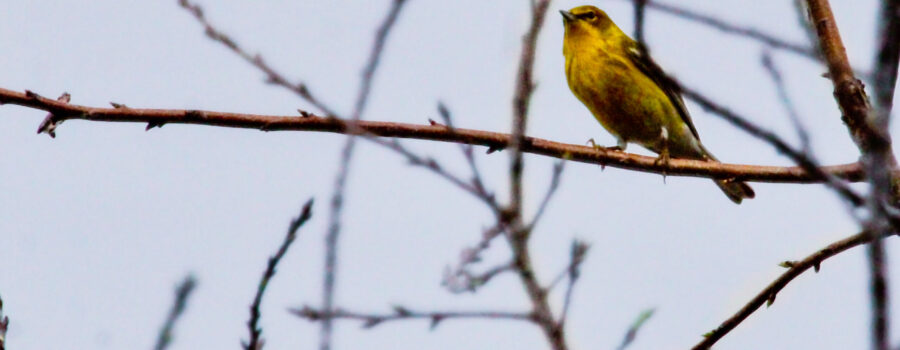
[{"x": 493, "y": 140}]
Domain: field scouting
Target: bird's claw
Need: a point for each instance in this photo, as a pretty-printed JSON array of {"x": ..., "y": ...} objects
[{"x": 663, "y": 160}]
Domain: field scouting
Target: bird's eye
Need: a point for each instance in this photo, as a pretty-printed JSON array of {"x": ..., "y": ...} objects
[{"x": 588, "y": 16}]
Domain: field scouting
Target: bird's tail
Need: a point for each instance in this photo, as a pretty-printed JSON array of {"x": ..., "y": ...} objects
[{"x": 736, "y": 190}]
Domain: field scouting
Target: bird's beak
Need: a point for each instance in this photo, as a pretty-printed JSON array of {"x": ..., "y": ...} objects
[{"x": 567, "y": 16}]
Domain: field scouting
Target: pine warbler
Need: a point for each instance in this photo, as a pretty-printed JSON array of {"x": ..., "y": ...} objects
[{"x": 627, "y": 92}]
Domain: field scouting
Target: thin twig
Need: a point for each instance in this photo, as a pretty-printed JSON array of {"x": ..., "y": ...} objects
[
  {"x": 256, "y": 342},
  {"x": 435, "y": 167},
  {"x": 4, "y": 325},
  {"x": 182, "y": 292},
  {"x": 639, "y": 14},
  {"x": 726, "y": 27},
  {"x": 460, "y": 279},
  {"x": 301, "y": 89},
  {"x": 309, "y": 122},
  {"x": 337, "y": 198},
  {"x": 573, "y": 259},
  {"x": 551, "y": 190},
  {"x": 576, "y": 256},
  {"x": 381, "y": 35},
  {"x": 272, "y": 76},
  {"x": 484, "y": 277},
  {"x": 468, "y": 153},
  {"x": 798, "y": 156},
  {"x": 639, "y": 322},
  {"x": 786, "y": 102},
  {"x": 768, "y": 294},
  {"x": 401, "y": 313}
]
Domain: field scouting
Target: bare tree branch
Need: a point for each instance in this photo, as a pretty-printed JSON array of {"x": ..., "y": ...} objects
[
  {"x": 468, "y": 153},
  {"x": 884, "y": 196},
  {"x": 726, "y": 27},
  {"x": 256, "y": 341},
  {"x": 888, "y": 55},
  {"x": 802, "y": 159},
  {"x": 631, "y": 334},
  {"x": 272, "y": 76},
  {"x": 4, "y": 325},
  {"x": 401, "y": 313},
  {"x": 334, "y": 228},
  {"x": 639, "y": 13},
  {"x": 551, "y": 190},
  {"x": 519, "y": 234},
  {"x": 461, "y": 279},
  {"x": 576, "y": 256},
  {"x": 869, "y": 130},
  {"x": 768, "y": 294},
  {"x": 521, "y": 101},
  {"x": 182, "y": 292},
  {"x": 848, "y": 90},
  {"x": 786, "y": 102},
  {"x": 803, "y": 20},
  {"x": 435, "y": 167},
  {"x": 309, "y": 122}
]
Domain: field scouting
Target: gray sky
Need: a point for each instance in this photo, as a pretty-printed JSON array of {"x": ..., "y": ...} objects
[{"x": 99, "y": 224}]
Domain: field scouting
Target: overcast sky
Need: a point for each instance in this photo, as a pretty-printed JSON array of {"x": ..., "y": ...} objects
[{"x": 99, "y": 224}]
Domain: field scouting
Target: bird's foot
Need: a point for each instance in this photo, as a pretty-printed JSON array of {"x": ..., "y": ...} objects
[
  {"x": 663, "y": 160},
  {"x": 605, "y": 148}
]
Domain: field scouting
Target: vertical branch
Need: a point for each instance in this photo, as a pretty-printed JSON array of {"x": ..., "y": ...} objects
[
  {"x": 786, "y": 102},
  {"x": 375, "y": 58},
  {"x": 639, "y": 13},
  {"x": 521, "y": 100},
  {"x": 256, "y": 341},
  {"x": 182, "y": 292},
  {"x": 848, "y": 90},
  {"x": 576, "y": 255},
  {"x": 4, "y": 325},
  {"x": 519, "y": 232},
  {"x": 879, "y": 287},
  {"x": 337, "y": 199},
  {"x": 869, "y": 131},
  {"x": 888, "y": 56},
  {"x": 880, "y": 161}
]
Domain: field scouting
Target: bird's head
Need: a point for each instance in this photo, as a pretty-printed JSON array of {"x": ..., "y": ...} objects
[{"x": 587, "y": 22}]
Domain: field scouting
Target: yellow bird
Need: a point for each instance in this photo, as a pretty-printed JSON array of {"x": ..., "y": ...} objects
[{"x": 627, "y": 92}]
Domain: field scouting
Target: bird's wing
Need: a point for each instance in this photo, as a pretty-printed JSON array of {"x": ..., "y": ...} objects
[{"x": 640, "y": 57}]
